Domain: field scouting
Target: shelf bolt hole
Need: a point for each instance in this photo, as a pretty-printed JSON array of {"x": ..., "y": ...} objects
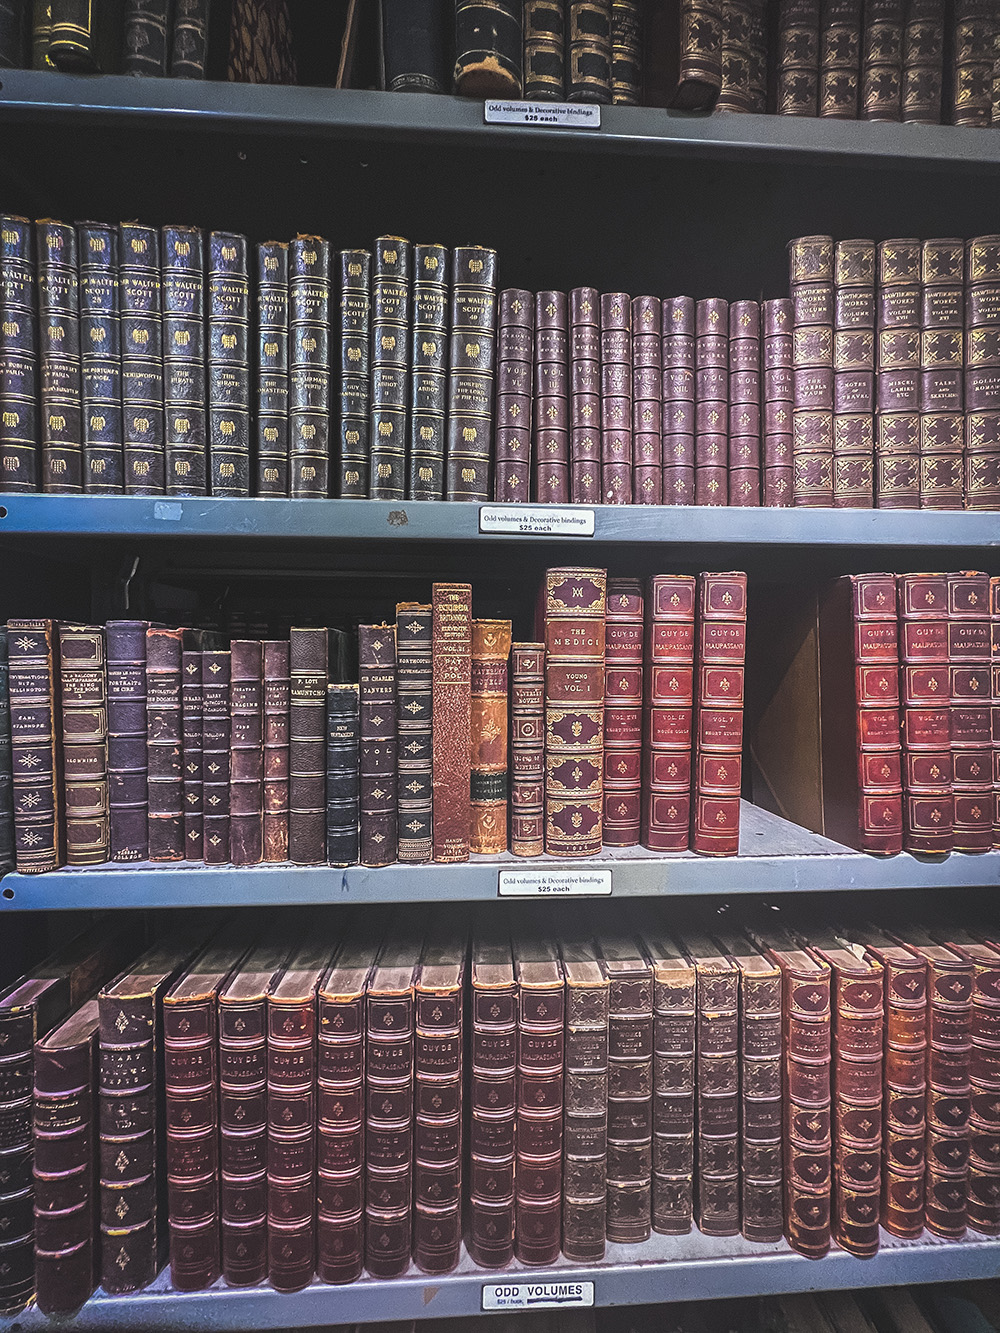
[
  {"x": 9, "y": 895},
  {"x": 241, "y": 155},
  {"x": 3, "y": 511}
]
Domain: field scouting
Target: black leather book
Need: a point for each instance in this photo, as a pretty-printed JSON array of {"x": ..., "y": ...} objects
[
  {"x": 416, "y": 44},
  {"x": 127, "y": 767},
  {"x": 192, "y": 724},
  {"x": 378, "y": 757},
  {"x": 428, "y": 365},
  {"x": 355, "y": 387},
  {"x": 85, "y": 37},
  {"x": 183, "y": 298},
  {"x": 189, "y": 39},
  {"x": 100, "y": 358},
  {"x": 544, "y": 50},
  {"x": 272, "y": 368},
  {"x": 14, "y": 33},
  {"x": 488, "y": 48},
  {"x": 309, "y": 366},
  {"x": 146, "y": 27},
  {"x": 391, "y": 277},
  {"x": 470, "y": 377},
  {"x": 6, "y": 779},
  {"x": 342, "y": 774},
  {"x": 588, "y": 73},
  {"x": 414, "y": 682},
  {"x": 216, "y": 731},
  {"x": 228, "y": 364},
  {"x": 59, "y": 344},
  {"x": 18, "y": 357},
  {"x": 142, "y": 358}
]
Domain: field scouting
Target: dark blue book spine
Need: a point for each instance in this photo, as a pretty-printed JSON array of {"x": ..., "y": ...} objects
[{"x": 342, "y": 774}]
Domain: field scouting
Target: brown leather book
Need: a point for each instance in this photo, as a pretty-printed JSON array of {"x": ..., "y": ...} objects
[
  {"x": 929, "y": 807},
  {"x": 246, "y": 773},
  {"x": 490, "y": 658},
  {"x": 718, "y": 714},
  {"x": 216, "y": 734},
  {"x": 164, "y": 744},
  {"x": 882, "y": 60},
  {"x": 744, "y": 404},
  {"x": 897, "y": 362},
  {"x": 515, "y": 354},
  {"x": 741, "y": 20},
  {"x": 574, "y": 605},
  {"x": 35, "y": 749},
  {"x": 797, "y": 57},
  {"x": 972, "y": 62},
  {"x": 647, "y": 391},
  {"x": 550, "y": 406},
  {"x": 982, "y": 384},
  {"x": 677, "y": 418},
  {"x": 623, "y": 652},
  {"x": 308, "y": 670},
  {"x": 668, "y": 709},
  {"x": 777, "y": 349},
  {"x": 414, "y": 718},
  {"x": 584, "y": 396},
  {"x": 378, "y": 750},
  {"x": 810, "y": 276},
  {"x": 942, "y": 350},
  {"x": 923, "y": 60},
  {"x": 275, "y": 750},
  {"x": 84, "y": 695},
  {"x": 527, "y": 749},
  {"x": 488, "y": 48},
  {"x": 711, "y": 419},
  {"x": 585, "y": 1122},
  {"x": 452, "y": 720},
  {"x": 853, "y": 374},
  {"x": 192, "y": 742},
  {"x": 995, "y": 657},
  {"x": 971, "y": 745},
  {"x": 683, "y": 54},
  {"x": 840, "y": 58},
  {"x": 616, "y": 398}
]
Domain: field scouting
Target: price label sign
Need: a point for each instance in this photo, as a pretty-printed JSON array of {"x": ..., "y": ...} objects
[
  {"x": 538, "y": 520},
  {"x": 555, "y": 883},
  {"x": 547, "y": 115},
  {"x": 538, "y": 1295}
]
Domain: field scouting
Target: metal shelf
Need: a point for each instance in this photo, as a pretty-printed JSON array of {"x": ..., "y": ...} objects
[
  {"x": 665, "y": 1268},
  {"x": 775, "y": 857}
]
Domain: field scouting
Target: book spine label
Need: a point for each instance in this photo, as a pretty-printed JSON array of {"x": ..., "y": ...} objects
[
  {"x": 228, "y": 364},
  {"x": 59, "y": 342},
  {"x": 970, "y": 721},
  {"x": 246, "y": 773},
  {"x": 164, "y": 744},
  {"x": 667, "y": 717},
  {"x": 184, "y": 388},
  {"x": 243, "y": 1139},
  {"x": 342, "y": 753},
  {"x": 490, "y": 656},
  {"x": 192, "y": 728},
  {"x": 34, "y": 701},
  {"x": 550, "y": 433},
  {"x": 715, "y": 819},
  {"x": 630, "y": 1106},
  {"x": 776, "y": 428},
  {"x": 127, "y": 765},
  {"x": 488, "y": 48},
  {"x": 544, "y": 50},
  {"x": 189, "y": 47},
  {"x": 711, "y": 444},
  {"x": 923, "y": 62},
  {"x": 616, "y": 398},
  {"x": 216, "y": 671},
  {"x": 760, "y": 1102},
  {"x": 744, "y": 404},
  {"x": 272, "y": 368},
  {"x": 853, "y": 374},
  {"x": 647, "y": 442},
  {"x": 291, "y": 1141},
  {"x": 452, "y": 720},
  {"x": 83, "y": 688},
  {"x": 308, "y": 366},
  {"x": 929, "y": 806},
  {"x": 389, "y": 1131},
  {"x": 340, "y": 1136},
  {"x": 100, "y": 359},
  {"x": 470, "y": 373},
  {"x": 275, "y": 750},
  {"x": 355, "y": 387},
  {"x": 840, "y": 58},
  {"x": 437, "y": 1137},
  {"x": 812, "y": 290},
  {"x": 982, "y": 382},
  {"x": 429, "y": 350},
  {"x": 308, "y": 657},
  {"x": 19, "y": 423},
  {"x": 717, "y": 1187},
  {"x": 392, "y": 279},
  {"x": 378, "y": 771},
  {"x": 527, "y": 749},
  {"x": 142, "y": 359},
  {"x": 515, "y": 352},
  {"x": 623, "y": 653},
  {"x": 585, "y": 1124},
  {"x": 414, "y": 679},
  {"x": 798, "y": 57},
  {"x": 677, "y": 401}
]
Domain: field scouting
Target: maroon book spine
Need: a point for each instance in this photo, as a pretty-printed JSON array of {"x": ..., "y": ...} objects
[
  {"x": 982, "y": 373},
  {"x": 778, "y": 317},
  {"x": 667, "y": 714},
  {"x": 797, "y": 65},
  {"x": 876, "y": 693},
  {"x": 585, "y": 395},
  {"x": 647, "y": 359},
  {"x": 677, "y": 399},
  {"x": 246, "y": 775},
  {"x": 718, "y": 721},
  {"x": 275, "y": 750},
  {"x": 971, "y": 712},
  {"x": 451, "y": 759},
  {"x": 493, "y": 1101},
  {"x": 840, "y": 58},
  {"x": 812, "y": 290},
  {"x": 882, "y": 60},
  {"x": 308, "y": 672},
  {"x": 527, "y": 749},
  {"x": 995, "y": 729},
  {"x": 923, "y": 61},
  {"x": 854, "y": 375},
  {"x": 623, "y": 651},
  {"x": 215, "y": 755},
  {"x": 744, "y": 404},
  {"x": 550, "y": 410},
  {"x": 126, "y": 642},
  {"x": 192, "y": 723},
  {"x": 897, "y": 429},
  {"x": 515, "y": 346},
  {"x": 942, "y": 378},
  {"x": 378, "y": 753},
  {"x": 929, "y": 807},
  {"x": 164, "y": 745},
  {"x": 616, "y": 398},
  {"x": 711, "y": 411}
]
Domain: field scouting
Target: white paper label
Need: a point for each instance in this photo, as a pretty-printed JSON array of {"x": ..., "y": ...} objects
[
  {"x": 554, "y": 883},
  {"x": 562, "y": 115},
  {"x": 538, "y": 520},
  {"x": 540, "y": 1295}
]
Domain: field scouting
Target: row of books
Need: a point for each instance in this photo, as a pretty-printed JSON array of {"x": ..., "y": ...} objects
[
  {"x": 361, "y": 1095},
  {"x": 134, "y": 743}
]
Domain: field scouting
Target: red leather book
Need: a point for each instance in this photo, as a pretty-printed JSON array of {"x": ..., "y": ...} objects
[
  {"x": 744, "y": 404},
  {"x": 677, "y": 354},
  {"x": 797, "y": 57},
  {"x": 84, "y": 694},
  {"x": 451, "y": 764},
  {"x": 668, "y": 688},
  {"x": 647, "y": 444},
  {"x": 882, "y": 60},
  {"x": 527, "y": 749},
  {"x": 490, "y": 658},
  {"x": 971, "y": 712},
  {"x": 246, "y": 773},
  {"x": 550, "y": 410},
  {"x": 942, "y": 377},
  {"x": 982, "y": 377},
  {"x": 192, "y": 727},
  {"x": 291, "y": 1117},
  {"x": 862, "y": 780},
  {"x": 630, "y": 1087},
  {"x": 810, "y": 273},
  {"x": 585, "y": 437},
  {"x": 929, "y": 807},
  {"x": 35, "y": 750},
  {"x": 493, "y": 1096},
  {"x": 616, "y": 398},
  {"x": 718, "y": 714},
  {"x": 972, "y": 62},
  {"x": 164, "y": 745},
  {"x": 377, "y": 772},
  {"x": 840, "y": 58},
  {"x": 923, "y": 61},
  {"x": 995, "y": 657},
  {"x": 623, "y": 647},
  {"x": 275, "y": 750},
  {"x": 897, "y": 426},
  {"x": 853, "y": 374},
  {"x": 515, "y": 355},
  {"x": 470, "y": 378},
  {"x": 308, "y": 674},
  {"x": 216, "y": 733},
  {"x": 575, "y": 602},
  {"x": 777, "y": 357},
  {"x": 585, "y": 1123},
  {"x": 711, "y": 412}
]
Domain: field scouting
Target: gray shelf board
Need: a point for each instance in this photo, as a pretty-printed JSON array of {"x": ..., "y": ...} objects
[
  {"x": 775, "y": 857},
  {"x": 113, "y": 516},
  {"x": 664, "y": 1268}
]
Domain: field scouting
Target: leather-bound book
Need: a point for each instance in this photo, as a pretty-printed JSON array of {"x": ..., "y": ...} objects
[
  {"x": 527, "y": 749},
  {"x": 711, "y": 420},
  {"x": 683, "y": 55},
  {"x": 84, "y": 694},
  {"x": 59, "y": 362},
  {"x": 355, "y": 382},
  {"x": 585, "y": 1094},
  {"x": 469, "y": 436},
  {"x": 942, "y": 381},
  {"x": 677, "y": 402},
  {"x": 185, "y": 395},
  {"x": 718, "y": 716},
  {"x": 853, "y": 374},
  {"x": 19, "y": 414},
  {"x": 246, "y": 769},
  {"x": 897, "y": 438},
  {"x": 307, "y": 746},
  {"x": 291, "y": 1117},
  {"x": 735, "y": 92},
  {"x": 588, "y": 50},
  {"x": 972, "y": 62},
  {"x": 84, "y": 38},
  {"x": 812, "y": 291},
  {"x": 451, "y": 766},
  {"x": 340, "y": 1154},
  {"x": 647, "y": 387},
  {"x": 63, "y": 1137},
  {"x": 761, "y": 1142},
  {"x": 744, "y": 404},
  {"x": 261, "y": 49},
  {"x": 439, "y": 1003},
  {"x": 488, "y": 48},
  {"x": 544, "y": 50},
  {"x": 995, "y": 657},
  {"x": 164, "y": 744},
  {"x": 414, "y": 689},
  {"x": 216, "y": 736},
  {"x": 623, "y": 656},
  {"x": 342, "y": 780},
  {"x": 717, "y": 1157},
  {"x": 840, "y": 58},
  {"x": 616, "y": 398},
  {"x": 377, "y": 774},
  {"x": 14, "y": 34},
  {"x": 428, "y": 373},
  {"x": 490, "y": 659},
  {"x": 192, "y": 738},
  {"x": 779, "y": 402},
  {"x": 630, "y": 1087},
  {"x": 971, "y": 745},
  {"x": 100, "y": 359},
  {"x": 228, "y": 364},
  {"x": 550, "y": 426},
  {"x": 859, "y": 714},
  {"x": 882, "y": 60},
  {"x": 667, "y": 718},
  {"x": 584, "y": 397},
  {"x": 7, "y": 859},
  {"x": 41, "y": 30},
  {"x": 626, "y": 52},
  {"x": 308, "y": 366},
  {"x": 275, "y": 748},
  {"x": 929, "y": 807},
  {"x": 982, "y": 376},
  {"x": 541, "y": 1012},
  {"x": 189, "y": 39},
  {"x": 797, "y": 58},
  {"x": 145, "y": 48},
  {"x": 127, "y": 764},
  {"x": 515, "y": 353},
  {"x": 35, "y": 749},
  {"x": 415, "y": 46},
  {"x": 806, "y": 1024},
  {"x": 272, "y": 368},
  {"x": 392, "y": 277},
  {"x": 674, "y": 1015},
  {"x": 923, "y": 61},
  {"x": 142, "y": 358},
  {"x": 574, "y": 606}
]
